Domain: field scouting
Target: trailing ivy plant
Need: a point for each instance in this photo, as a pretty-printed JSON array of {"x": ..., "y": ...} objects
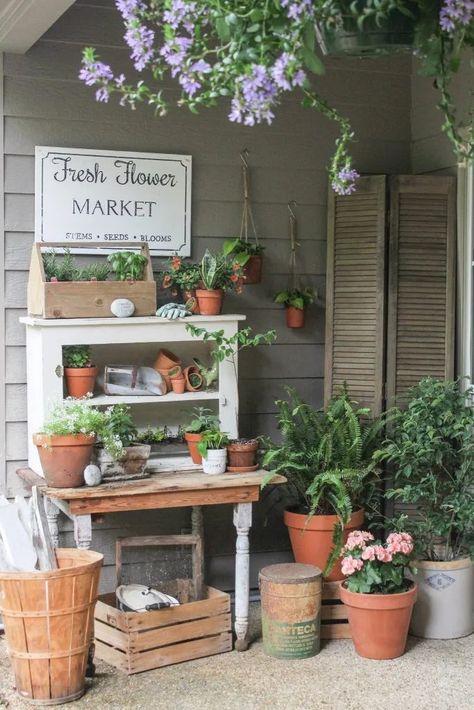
[
  {"x": 326, "y": 457},
  {"x": 431, "y": 455},
  {"x": 299, "y": 298}
]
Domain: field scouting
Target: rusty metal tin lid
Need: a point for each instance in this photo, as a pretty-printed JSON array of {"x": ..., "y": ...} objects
[{"x": 290, "y": 573}]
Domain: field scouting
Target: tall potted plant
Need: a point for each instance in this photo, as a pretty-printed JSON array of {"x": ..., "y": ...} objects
[
  {"x": 218, "y": 275},
  {"x": 325, "y": 456},
  {"x": 430, "y": 451},
  {"x": 296, "y": 301},
  {"x": 79, "y": 371},
  {"x": 203, "y": 419}
]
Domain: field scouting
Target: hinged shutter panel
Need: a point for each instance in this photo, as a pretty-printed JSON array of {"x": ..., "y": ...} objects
[
  {"x": 355, "y": 293},
  {"x": 420, "y": 328}
]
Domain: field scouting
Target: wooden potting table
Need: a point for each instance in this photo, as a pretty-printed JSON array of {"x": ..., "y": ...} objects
[{"x": 164, "y": 490}]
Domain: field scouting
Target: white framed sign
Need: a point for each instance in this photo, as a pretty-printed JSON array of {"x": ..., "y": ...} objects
[{"x": 86, "y": 196}]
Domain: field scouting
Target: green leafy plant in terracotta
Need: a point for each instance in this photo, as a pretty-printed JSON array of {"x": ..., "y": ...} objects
[
  {"x": 299, "y": 298},
  {"x": 241, "y": 250},
  {"x": 202, "y": 419},
  {"x": 77, "y": 356},
  {"x": 128, "y": 265},
  {"x": 218, "y": 271}
]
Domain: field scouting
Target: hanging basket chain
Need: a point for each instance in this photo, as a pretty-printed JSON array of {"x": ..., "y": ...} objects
[
  {"x": 292, "y": 234},
  {"x": 247, "y": 214}
]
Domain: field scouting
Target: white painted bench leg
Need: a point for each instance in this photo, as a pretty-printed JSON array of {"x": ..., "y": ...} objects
[
  {"x": 242, "y": 522},
  {"x": 52, "y": 515},
  {"x": 83, "y": 531}
]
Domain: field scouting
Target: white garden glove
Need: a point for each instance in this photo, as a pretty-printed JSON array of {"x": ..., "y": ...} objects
[{"x": 173, "y": 311}]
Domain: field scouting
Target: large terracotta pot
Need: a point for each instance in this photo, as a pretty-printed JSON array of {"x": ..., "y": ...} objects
[
  {"x": 192, "y": 441},
  {"x": 210, "y": 302},
  {"x": 295, "y": 317},
  {"x": 80, "y": 380},
  {"x": 253, "y": 270},
  {"x": 64, "y": 458},
  {"x": 311, "y": 540},
  {"x": 379, "y": 622}
]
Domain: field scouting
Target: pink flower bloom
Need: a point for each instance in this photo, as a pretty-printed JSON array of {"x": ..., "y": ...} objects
[
  {"x": 400, "y": 542},
  {"x": 382, "y": 554},
  {"x": 357, "y": 538},
  {"x": 350, "y": 565},
  {"x": 369, "y": 553}
]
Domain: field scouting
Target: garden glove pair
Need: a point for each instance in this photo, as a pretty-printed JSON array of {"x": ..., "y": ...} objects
[{"x": 173, "y": 311}]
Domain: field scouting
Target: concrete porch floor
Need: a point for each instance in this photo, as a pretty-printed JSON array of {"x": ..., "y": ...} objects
[{"x": 432, "y": 675}]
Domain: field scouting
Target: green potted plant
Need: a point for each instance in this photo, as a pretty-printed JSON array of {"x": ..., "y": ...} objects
[
  {"x": 249, "y": 255},
  {"x": 295, "y": 300},
  {"x": 213, "y": 450},
  {"x": 133, "y": 457},
  {"x": 325, "y": 456},
  {"x": 202, "y": 420},
  {"x": 79, "y": 371},
  {"x": 430, "y": 452},
  {"x": 66, "y": 441},
  {"x": 128, "y": 265},
  {"x": 186, "y": 276},
  {"x": 378, "y": 593},
  {"x": 218, "y": 275}
]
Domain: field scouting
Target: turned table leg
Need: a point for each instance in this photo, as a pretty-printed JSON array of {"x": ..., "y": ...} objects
[
  {"x": 242, "y": 522},
  {"x": 52, "y": 515},
  {"x": 83, "y": 531}
]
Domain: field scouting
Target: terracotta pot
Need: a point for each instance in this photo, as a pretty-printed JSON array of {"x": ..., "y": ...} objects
[
  {"x": 242, "y": 455},
  {"x": 187, "y": 372},
  {"x": 253, "y": 270},
  {"x": 379, "y": 622},
  {"x": 192, "y": 441},
  {"x": 166, "y": 360},
  {"x": 210, "y": 302},
  {"x": 80, "y": 380},
  {"x": 312, "y": 541},
  {"x": 191, "y": 295},
  {"x": 64, "y": 458},
  {"x": 178, "y": 384},
  {"x": 165, "y": 373},
  {"x": 294, "y": 317}
]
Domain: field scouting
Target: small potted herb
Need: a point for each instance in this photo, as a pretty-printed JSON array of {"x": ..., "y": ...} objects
[
  {"x": 79, "y": 371},
  {"x": 133, "y": 458},
  {"x": 128, "y": 265},
  {"x": 186, "y": 276},
  {"x": 203, "y": 420},
  {"x": 249, "y": 255},
  {"x": 296, "y": 301},
  {"x": 218, "y": 274},
  {"x": 378, "y": 594},
  {"x": 212, "y": 448}
]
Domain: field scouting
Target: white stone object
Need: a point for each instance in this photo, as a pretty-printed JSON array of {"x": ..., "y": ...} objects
[
  {"x": 92, "y": 475},
  {"x": 122, "y": 308}
]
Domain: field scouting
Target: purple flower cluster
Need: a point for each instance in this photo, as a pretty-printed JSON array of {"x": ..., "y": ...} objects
[
  {"x": 95, "y": 72},
  {"x": 344, "y": 182},
  {"x": 130, "y": 8},
  {"x": 454, "y": 13},
  {"x": 174, "y": 53},
  {"x": 256, "y": 98},
  {"x": 298, "y": 9},
  {"x": 282, "y": 70},
  {"x": 139, "y": 38},
  {"x": 181, "y": 13}
]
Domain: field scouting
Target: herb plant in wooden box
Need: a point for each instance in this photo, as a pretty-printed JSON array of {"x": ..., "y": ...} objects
[{"x": 57, "y": 288}]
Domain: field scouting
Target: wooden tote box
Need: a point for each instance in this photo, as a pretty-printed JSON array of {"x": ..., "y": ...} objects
[{"x": 87, "y": 299}]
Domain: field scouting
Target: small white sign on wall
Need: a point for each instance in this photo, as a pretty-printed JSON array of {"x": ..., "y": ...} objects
[{"x": 87, "y": 196}]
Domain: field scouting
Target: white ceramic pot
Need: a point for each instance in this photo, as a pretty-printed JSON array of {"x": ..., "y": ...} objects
[
  {"x": 445, "y": 605},
  {"x": 215, "y": 461}
]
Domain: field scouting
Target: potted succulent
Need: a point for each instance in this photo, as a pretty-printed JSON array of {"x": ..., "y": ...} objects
[
  {"x": 128, "y": 265},
  {"x": 325, "y": 456},
  {"x": 296, "y": 301},
  {"x": 130, "y": 460},
  {"x": 249, "y": 255},
  {"x": 430, "y": 451},
  {"x": 185, "y": 276},
  {"x": 242, "y": 455},
  {"x": 218, "y": 274},
  {"x": 66, "y": 442},
  {"x": 212, "y": 448},
  {"x": 79, "y": 371},
  {"x": 203, "y": 420},
  {"x": 378, "y": 594}
]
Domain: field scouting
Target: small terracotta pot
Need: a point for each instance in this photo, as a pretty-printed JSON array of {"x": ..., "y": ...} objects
[
  {"x": 80, "y": 380},
  {"x": 210, "y": 302},
  {"x": 379, "y": 622},
  {"x": 311, "y": 540},
  {"x": 165, "y": 373},
  {"x": 294, "y": 317},
  {"x": 166, "y": 360},
  {"x": 242, "y": 454},
  {"x": 187, "y": 372},
  {"x": 178, "y": 384},
  {"x": 253, "y": 270},
  {"x": 191, "y": 296},
  {"x": 192, "y": 441},
  {"x": 64, "y": 458}
]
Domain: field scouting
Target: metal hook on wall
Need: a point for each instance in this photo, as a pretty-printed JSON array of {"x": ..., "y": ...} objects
[
  {"x": 244, "y": 154},
  {"x": 291, "y": 205}
]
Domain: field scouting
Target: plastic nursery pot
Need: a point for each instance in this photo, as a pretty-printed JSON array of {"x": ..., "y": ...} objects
[
  {"x": 294, "y": 317},
  {"x": 210, "y": 302},
  {"x": 242, "y": 455},
  {"x": 253, "y": 270},
  {"x": 215, "y": 461},
  {"x": 80, "y": 380},
  {"x": 194, "y": 379},
  {"x": 311, "y": 541},
  {"x": 379, "y": 622},
  {"x": 192, "y": 441},
  {"x": 166, "y": 360},
  {"x": 445, "y": 603},
  {"x": 178, "y": 384},
  {"x": 64, "y": 458},
  {"x": 191, "y": 296}
]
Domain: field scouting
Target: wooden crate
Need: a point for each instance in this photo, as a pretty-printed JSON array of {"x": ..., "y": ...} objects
[
  {"x": 334, "y": 623},
  {"x": 87, "y": 299},
  {"x": 135, "y": 642}
]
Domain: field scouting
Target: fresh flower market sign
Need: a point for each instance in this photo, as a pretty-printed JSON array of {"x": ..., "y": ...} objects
[{"x": 87, "y": 196}]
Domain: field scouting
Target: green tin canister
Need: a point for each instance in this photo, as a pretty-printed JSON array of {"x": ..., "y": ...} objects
[{"x": 291, "y": 610}]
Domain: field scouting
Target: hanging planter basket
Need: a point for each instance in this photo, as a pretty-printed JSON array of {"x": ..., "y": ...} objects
[{"x": 396, "y": 33}]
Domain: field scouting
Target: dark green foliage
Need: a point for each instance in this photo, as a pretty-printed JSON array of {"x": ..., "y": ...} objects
[
  {"x": 203, "y": 420},
  {"x": 63, "y": 269},
  {"x": 120, "y": 424},
  {"x": 127, "y": 265},
  {"x": 296, "y": 297},
  {"x": 77, "y": 356}
]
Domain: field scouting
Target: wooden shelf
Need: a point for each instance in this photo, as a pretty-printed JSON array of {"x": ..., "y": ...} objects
[
  {"x": 104, "y": 399},
  {"x": 134, "y": 320}
]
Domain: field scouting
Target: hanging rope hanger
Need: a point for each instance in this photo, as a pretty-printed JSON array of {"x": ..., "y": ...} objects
[
  {"x": 293, "y": 280},
  {"x": 247, "y": 214}
]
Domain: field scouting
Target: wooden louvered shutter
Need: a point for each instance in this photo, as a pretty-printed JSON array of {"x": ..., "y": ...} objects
[
  {"x": 355, "y": 331},
  {"x": 421, "y": 292}
]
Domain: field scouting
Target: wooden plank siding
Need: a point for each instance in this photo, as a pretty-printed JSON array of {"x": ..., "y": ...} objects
[{"x": 45, "y": 104}]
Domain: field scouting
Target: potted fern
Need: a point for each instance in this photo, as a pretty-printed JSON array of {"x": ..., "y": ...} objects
[{"x": 325, "y": 456}]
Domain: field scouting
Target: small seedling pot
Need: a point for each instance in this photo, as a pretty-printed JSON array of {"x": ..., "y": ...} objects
[
  {"x": 80, "y": 380},
  {"x": 210, "y": 302},
  {"x": 295, "y": 317},
  {"x": 192, "y": 441},
  {"x": 190, "y": 297},
  {"x": 215, "y": 461},
  {"x": 178, "y": 384},
  {"x": 64, "y": 458},
  {"x": 242, "y": 455}
]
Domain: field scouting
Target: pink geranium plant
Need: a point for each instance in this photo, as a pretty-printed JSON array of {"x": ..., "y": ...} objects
[{"x": 373, "y": 567}]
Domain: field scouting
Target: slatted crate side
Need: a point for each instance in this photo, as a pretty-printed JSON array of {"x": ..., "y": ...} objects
[{"x": 334, "y": 623}]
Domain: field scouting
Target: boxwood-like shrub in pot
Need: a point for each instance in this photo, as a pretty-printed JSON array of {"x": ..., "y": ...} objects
[
  {"x": 430, "y": 452},
  {"x": 325, "y": 456}
]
